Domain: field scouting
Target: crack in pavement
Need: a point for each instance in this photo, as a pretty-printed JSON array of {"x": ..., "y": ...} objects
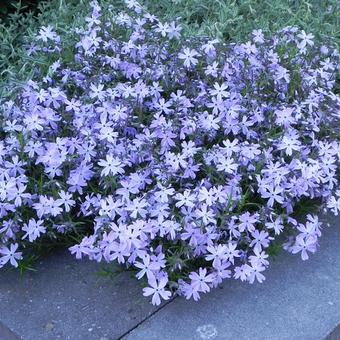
[{"x": 146, "y": 318}]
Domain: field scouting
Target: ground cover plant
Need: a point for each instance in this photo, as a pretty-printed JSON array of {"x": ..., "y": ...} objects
[
  {"x": 227, "y": 20},
  {"x": 234, "y": 20},
  {"x": 19, "y": 22},
  {"x": 187, "y": 158}
]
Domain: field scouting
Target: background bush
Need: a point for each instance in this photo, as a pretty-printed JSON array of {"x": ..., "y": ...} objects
[
  {"x": 234, "y": 20},
  {"x": 228, "y": 20}
]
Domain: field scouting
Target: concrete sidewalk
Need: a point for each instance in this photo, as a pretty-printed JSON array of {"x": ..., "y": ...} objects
[
  {"x": 6, "y": 333},
  {"x": 298, "y": 301},
  {"x": 65, "y": 299}
]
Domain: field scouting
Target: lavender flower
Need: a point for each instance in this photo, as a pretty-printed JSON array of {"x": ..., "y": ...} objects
[{"x": 184, "y": 158}]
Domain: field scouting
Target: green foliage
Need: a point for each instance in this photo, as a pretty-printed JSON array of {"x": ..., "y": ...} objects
[
  {"x": 18, "y": 28},
  {"x": 233, "y": 20},
  {"x": 9, "y": 6},
  {"x": 274, "y": 249},
  {"x": 27, "y": 264},
  {"x": 110, "y": 271},
  {"x": 230, "y": 20}
]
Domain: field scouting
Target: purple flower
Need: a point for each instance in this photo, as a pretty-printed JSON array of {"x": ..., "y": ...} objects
[
  {"x": 248, "y": 222},
  {"x": 33, "y": 229},
  {"x": 10, "y": 255},
  {"x": 334, "y": 204},
  {"x": 221, "y": 272},
  {"x": 188, "y": 56},
  {"x": 147, "y": 267},
  {"x": 66, "y": 200},
  {"x": 112, "y": 166},
  {"x": 216, "y": 253},
  {"x": 157, "y": 290},
  {"x": 277, "y": 225},
  {"x": 260, "y": 240},
  {"x": 254, "y": 272},
  {"x": 46, "y": 33},
  {"x": 200, "y": 281},
  {"x": 304, "y": 246},
  {"x": 289, "y": 143}
]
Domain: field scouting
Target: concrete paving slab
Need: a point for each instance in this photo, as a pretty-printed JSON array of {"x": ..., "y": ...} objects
[
  {"x": 6, "y": 333},
  {"x": 298, "y": 301},
  {"x": 334, "y": 334},
  {"x": 65, "y": 299}
]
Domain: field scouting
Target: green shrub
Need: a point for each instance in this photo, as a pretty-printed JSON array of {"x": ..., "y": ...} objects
[
  {"x": 235, "y": 19},
  {"x": 229, "y": 20}
]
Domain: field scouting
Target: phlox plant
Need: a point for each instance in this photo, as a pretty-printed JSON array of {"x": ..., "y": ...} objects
[{"x": 187, "y": 158}]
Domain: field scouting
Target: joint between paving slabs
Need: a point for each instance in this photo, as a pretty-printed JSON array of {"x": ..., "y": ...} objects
[
  {"x": 334, "y": 334},
  {"x": 146, "y": 318},
  {"x": 7, "y": 334}
]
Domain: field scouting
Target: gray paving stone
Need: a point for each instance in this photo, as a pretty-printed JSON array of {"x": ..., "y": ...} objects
[
  {"x": 66, "y": 299},
  {"x": 6, "y": 333},
  {"x": 334, "y": 334},
  {"x": 298, "y": 301}
]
